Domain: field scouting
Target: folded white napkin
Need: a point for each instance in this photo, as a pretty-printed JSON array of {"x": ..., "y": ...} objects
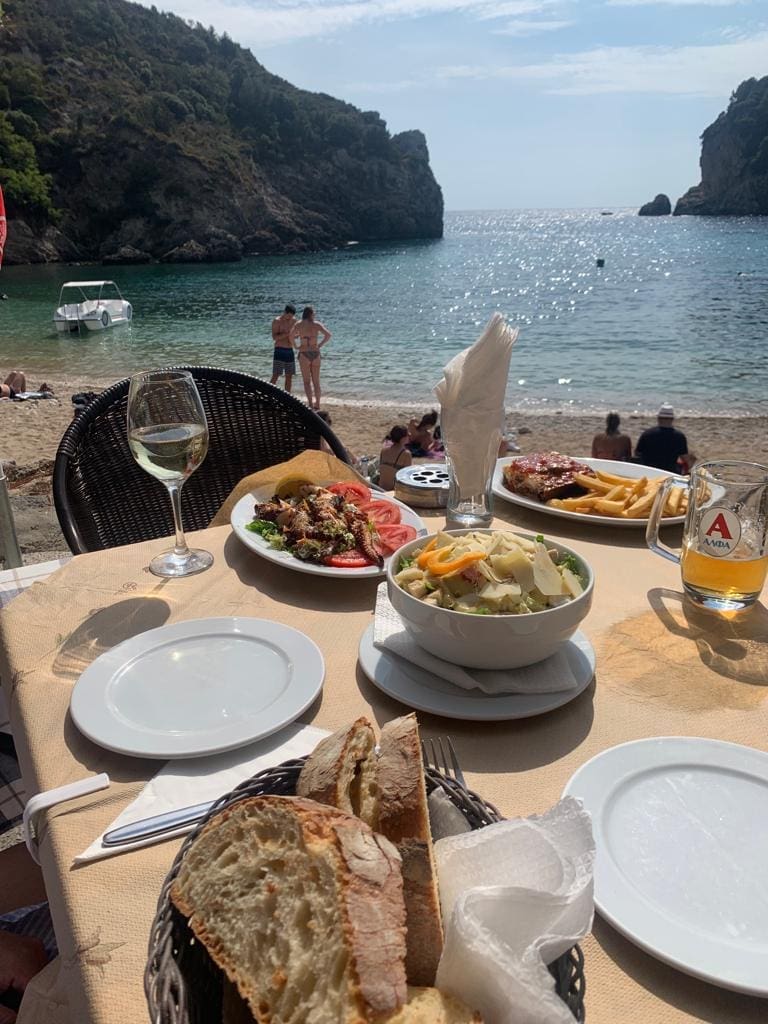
[
  {"x": 389, "y": 634},
  {"x": 531, "y": 899},
  {"x": 193, "y": 781},
  {"x": 471, "y": 396}
]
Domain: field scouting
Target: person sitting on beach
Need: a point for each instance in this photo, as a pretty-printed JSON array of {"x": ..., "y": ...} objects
[
  {"x": 14, "y": 384},
  {"x": 15, "y": 387},
  {"x": 283, "y": 359},
  {"x": 612, "y": 444},
  {"x": 664, "y": 446},
  {"x": 421, "y": 435},
  {"x": 394, "y": 455},
  {"x": 308, "y": 330}
]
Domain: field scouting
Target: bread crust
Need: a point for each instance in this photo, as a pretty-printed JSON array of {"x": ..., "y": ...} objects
[
  {"x": 368, "y": 887},
  {"x": 404, "y": 819},
  {"x": 340, "y": 771}
]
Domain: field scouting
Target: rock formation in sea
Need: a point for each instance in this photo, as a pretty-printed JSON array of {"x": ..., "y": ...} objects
[
  {"x": 658, "y": 207},
  {"x": 131, "y": 134},
  {"x": 734, "y": 158}
]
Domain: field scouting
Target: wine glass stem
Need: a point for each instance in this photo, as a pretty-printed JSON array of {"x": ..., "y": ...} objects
[{"x": 180, "y": 548}]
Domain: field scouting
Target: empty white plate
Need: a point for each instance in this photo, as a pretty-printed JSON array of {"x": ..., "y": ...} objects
[
  {"x": 420, "y": 689},
  {"x": 197, "y": 687},
  {"x": 681, "y": 829}
]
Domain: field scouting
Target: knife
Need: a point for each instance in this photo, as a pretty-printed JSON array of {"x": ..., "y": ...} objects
[{"x": 158, "y": 825}]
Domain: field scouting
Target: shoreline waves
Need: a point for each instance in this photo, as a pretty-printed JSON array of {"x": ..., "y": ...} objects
[
  {"x": 31, "y": 430},
  {"x": 30, "y": 433}
]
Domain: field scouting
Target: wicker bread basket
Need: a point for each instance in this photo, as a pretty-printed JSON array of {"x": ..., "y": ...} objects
[{"x": 183, "y": 985}]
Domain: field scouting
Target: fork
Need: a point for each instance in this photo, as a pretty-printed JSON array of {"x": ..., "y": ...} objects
[{"x": 436, "y": 757}]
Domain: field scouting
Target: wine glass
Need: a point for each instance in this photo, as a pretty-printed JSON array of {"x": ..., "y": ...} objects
[{"x": 168, "y": 437}]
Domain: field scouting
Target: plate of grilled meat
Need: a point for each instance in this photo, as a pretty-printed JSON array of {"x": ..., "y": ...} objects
[
  {"x": 589, "y": 490},
  {"x": 340, "y": 529}
]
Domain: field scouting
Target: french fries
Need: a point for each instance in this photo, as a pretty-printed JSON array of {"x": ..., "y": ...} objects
[{"x": 621, "y": 497}]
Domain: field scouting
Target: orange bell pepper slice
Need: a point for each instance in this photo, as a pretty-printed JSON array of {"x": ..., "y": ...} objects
[
  {"x": 426, "y": 553},
  {"x": 442, "y": 568}
]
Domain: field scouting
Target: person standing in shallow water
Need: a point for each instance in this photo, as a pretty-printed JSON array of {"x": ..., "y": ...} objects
[
  {"x": 309, "y": 331},
  {"x": 283, "y": 359},
  {"x": 612, "y": 444}
]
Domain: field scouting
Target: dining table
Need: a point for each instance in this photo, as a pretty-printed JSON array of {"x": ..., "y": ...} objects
[{"x": 664, "y": 668}]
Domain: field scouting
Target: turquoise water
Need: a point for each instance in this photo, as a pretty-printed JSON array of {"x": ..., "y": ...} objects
[{"x": 679, "y": 313}]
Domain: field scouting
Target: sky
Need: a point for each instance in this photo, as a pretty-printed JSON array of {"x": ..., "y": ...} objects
[{"x": 524, "y": 103}]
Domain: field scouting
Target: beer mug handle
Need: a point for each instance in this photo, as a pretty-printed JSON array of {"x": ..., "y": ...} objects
[{"x": 654, "y": 519}]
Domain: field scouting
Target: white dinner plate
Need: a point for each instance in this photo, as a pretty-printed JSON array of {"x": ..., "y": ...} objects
[
  {"x": 681, "y": 829},
  {"x": 242, "y": 514},
  {"x": 424, "y": 691},
  {"x": 628, "y": 469},
  {"x": 199, "y": 687}
]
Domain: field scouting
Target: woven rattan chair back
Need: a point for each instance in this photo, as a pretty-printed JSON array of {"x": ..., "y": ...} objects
[{"x": 103, "y": 499}]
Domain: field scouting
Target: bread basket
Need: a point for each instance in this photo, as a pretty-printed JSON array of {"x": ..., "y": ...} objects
[{"x": 183, "y": 985}]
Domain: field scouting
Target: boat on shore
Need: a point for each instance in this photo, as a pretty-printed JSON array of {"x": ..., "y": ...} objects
[{"x": 95, "y": 305}]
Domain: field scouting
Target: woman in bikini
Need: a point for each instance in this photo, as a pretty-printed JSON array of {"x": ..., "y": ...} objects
[
  {"x": 308, "y": 330},
  {"x": 612, "y": 444},
  {"x": 393, "y": 457},
  {"x": 420, "y": 436},
  {"x": 15, "y": 383}
]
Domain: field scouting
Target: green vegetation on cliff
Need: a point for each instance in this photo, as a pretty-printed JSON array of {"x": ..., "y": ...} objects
[
  {"x": 143, "y": 130},
  {"x": 734, "y": 158}
]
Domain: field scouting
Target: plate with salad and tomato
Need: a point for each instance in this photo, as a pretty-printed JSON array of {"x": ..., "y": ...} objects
[{"x": 340, "y": 529}]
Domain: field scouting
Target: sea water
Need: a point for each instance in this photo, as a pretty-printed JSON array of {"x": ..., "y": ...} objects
[{"x": 678, "y": 313}]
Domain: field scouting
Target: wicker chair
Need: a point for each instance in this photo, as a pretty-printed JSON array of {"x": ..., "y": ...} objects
[{"x": 103, "y": 499}]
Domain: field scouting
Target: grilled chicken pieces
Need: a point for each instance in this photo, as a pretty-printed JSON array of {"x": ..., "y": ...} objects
[{"x": 318, "y": 524}]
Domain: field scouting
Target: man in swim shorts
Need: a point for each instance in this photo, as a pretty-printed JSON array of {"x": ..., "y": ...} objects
[{"x": 283, "y": 358}]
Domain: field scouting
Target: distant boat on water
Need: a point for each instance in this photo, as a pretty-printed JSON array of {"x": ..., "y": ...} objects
[
  {"x": 606, "y": 213},
  {"x": 77, "y": 306}
]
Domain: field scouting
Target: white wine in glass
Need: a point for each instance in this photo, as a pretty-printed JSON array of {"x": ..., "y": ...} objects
[{"x": 168, "y": 437}]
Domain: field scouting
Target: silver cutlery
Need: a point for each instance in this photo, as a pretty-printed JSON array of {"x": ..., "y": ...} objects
[
  {"x": 157, "y": 825},
  {"x": 445, "y": 762}
]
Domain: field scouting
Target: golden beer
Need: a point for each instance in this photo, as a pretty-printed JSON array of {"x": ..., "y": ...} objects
[
  {"x": 732, "y": 579},
  {"x": 724, "y": 558}
]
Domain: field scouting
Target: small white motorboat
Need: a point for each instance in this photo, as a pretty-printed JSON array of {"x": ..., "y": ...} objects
[{"x": 95, "y": 305}]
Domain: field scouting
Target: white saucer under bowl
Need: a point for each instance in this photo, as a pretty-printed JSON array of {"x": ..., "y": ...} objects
[{"x": 420, "y": 689}]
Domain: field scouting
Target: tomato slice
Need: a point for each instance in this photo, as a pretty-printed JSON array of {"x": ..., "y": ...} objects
[
  {"x": 352, "y": 559},
  {"x": 381, "y": 513},
  {"x": 392, "y": 537},
  {"x": 351, "y": 491}
]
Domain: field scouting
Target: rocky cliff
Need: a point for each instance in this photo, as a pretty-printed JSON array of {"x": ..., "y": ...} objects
[
  {"x": 127, "y": 132},
  {"x": 734, "y": 158},
  {"x": 658, "y": 207}
]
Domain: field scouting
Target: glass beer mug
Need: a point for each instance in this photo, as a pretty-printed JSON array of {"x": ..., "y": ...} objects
[{"x": 724, "y": 557}]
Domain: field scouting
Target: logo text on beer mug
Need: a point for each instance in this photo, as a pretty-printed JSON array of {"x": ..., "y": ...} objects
[{"x": 719, "y": 532}]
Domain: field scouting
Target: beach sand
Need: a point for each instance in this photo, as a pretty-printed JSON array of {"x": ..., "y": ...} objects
[{"x": 30, "y": 431}]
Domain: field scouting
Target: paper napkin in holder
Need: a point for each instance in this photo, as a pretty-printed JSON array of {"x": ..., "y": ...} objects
[
  {"x": 471, "y": 396},
  {"x": 531, "y": 899},
  {"x": 389, "y": 634}
]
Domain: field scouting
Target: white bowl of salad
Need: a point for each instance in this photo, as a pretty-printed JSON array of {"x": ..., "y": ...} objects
[{"x": 489, "y": 598}]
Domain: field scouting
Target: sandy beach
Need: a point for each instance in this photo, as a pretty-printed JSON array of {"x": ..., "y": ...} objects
[{"x": 30, "y": 433}]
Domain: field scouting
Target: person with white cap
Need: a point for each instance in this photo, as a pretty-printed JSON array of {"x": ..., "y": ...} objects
[{"x": 664, "y": 446}]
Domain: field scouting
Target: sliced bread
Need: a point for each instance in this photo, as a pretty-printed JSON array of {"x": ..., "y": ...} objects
[
  {"x": 403, "y": 817},
  {"x": 424, "y": 1006},
  {"x": 341, "y": 771},
  {"x": 301, "y": 905},
  {"x": 430, "y": 1006}
]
